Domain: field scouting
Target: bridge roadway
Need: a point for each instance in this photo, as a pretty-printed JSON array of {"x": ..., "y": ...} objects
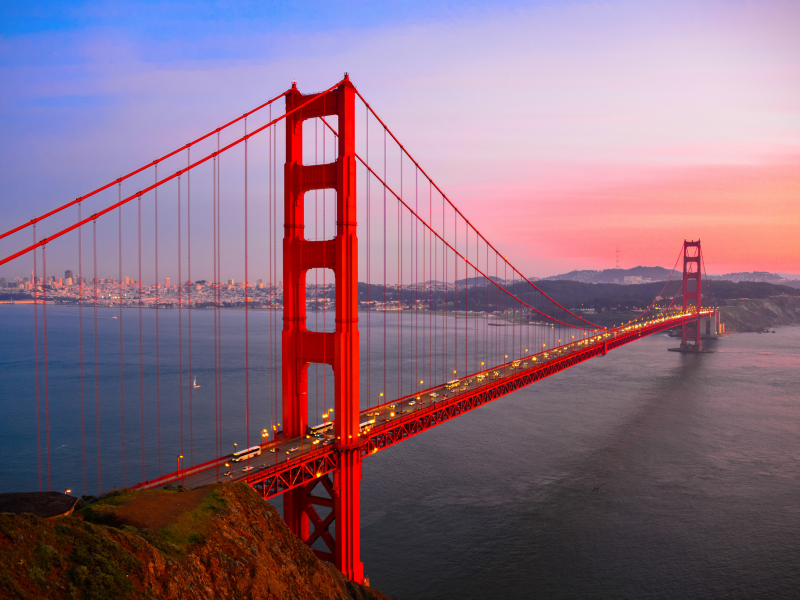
[{"x": 286, "y": 464}]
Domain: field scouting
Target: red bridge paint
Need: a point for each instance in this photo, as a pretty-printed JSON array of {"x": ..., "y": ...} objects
[{"x": 338, "y": 349}]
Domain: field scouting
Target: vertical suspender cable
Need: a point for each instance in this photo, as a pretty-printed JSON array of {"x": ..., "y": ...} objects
[
  {"x": 369, "y": 266},
  {"x": 214, "y": 286},
  {"x": 416, "y": 280},
  {"x": 36, "y": 354},
  {"x": 246, "y": 311},
  {"x": 141, "y": 353},
  {"x": 46, "y": 378},
  {"x": 275, "y": 368},
  {"x": 455, "y": 286},
  {"x": 274, "y": 293},
  {"x": 219, "y": 292},
  {"x": 444, "y": 300},
  {"x": 158, "y": 355},
  {"x": 189, "y": 292},
  {"x": 121, "y": 364},
  {"x": 400, "y": 286},
  {"x": 80, "y": 349},
  {"x": 384, "y": 262},
  {"x": 269, "y": 271},
  {"x": 96, "y": 357},
  {"x": 180, "y": 318}
]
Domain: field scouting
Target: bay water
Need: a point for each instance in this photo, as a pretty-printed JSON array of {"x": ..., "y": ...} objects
[{"x": 642, "y": 474}]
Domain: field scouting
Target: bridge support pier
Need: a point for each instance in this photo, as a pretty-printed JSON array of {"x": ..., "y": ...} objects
[{"x": 339, "y": 349}]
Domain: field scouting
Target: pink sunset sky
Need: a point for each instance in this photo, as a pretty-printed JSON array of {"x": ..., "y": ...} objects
[{"x": 561, "y": 129}]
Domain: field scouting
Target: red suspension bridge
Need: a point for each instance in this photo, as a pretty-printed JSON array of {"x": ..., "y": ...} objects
[{"x": 371, "y": 245}]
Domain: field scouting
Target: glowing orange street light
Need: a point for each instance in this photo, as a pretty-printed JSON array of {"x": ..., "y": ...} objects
[{"x": 180, "y": 457}]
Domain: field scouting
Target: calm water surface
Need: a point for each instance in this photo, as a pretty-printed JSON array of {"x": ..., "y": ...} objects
[{"x": 644, "y": 474}]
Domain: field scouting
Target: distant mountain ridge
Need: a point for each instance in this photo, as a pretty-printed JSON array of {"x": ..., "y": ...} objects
[
  {"x": 652, "y": 274},
  {"x": 614, "y": 275}
]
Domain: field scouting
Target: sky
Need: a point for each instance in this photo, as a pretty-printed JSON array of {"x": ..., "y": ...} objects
[{"x": 563, "y": 129}]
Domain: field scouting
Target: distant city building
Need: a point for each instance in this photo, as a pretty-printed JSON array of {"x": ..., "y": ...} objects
[
  {"x": 68, "y": 274},
  {"x": 231, "y": 282},
  {"x": 166, "y": 282}
]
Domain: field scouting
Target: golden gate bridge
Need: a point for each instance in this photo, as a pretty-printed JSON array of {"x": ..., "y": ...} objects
[{"x": 468, "y": 326}]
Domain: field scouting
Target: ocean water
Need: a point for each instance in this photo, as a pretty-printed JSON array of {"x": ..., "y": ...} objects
[{"x": 643, "y": 474}]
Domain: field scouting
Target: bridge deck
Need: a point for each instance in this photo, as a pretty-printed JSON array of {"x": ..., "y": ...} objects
[{"x": 288, "y": 463}]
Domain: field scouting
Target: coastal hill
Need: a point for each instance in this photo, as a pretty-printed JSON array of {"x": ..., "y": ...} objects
[
  {"x": 648, "y": 274},
  {"x": 220, "y": 541},
  {"x": 613, "y": 275}
]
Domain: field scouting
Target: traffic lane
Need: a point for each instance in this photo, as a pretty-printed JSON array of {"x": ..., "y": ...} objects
[
  {"x": 266, "y": 457},
  {"x": 402, "y": 407},
  {"x": 300, "y": 447}
]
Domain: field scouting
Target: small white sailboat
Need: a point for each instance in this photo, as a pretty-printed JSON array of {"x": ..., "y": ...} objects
[{"x": 194, "y": 385}]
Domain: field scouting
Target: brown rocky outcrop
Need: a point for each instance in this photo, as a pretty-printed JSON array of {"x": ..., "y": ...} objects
[{"x": 220, "y": 541}]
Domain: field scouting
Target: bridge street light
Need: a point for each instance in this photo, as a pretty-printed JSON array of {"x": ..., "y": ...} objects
[{"x": 183, "y": 478}]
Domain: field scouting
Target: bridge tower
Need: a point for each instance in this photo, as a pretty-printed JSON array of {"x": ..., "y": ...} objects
[
  {"x": 339, "y": 349},
  {"x": 692, "y": 272}
]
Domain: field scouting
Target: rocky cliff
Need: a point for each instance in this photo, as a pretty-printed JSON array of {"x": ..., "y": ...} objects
[
  {"x": 219, "y": 541},
  {"x": 759, "y": 314}
]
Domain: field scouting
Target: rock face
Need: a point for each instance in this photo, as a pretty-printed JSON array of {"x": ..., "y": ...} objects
[
  {"x": 759, "y": 314},
  {"x": 216, "y": 542}
]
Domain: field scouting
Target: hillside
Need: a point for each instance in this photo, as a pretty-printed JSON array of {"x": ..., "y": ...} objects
[
  {"x": 758, "y": 314},
  {"x": 613, "y": 275},
  {"x": 219, "y": 541}
]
